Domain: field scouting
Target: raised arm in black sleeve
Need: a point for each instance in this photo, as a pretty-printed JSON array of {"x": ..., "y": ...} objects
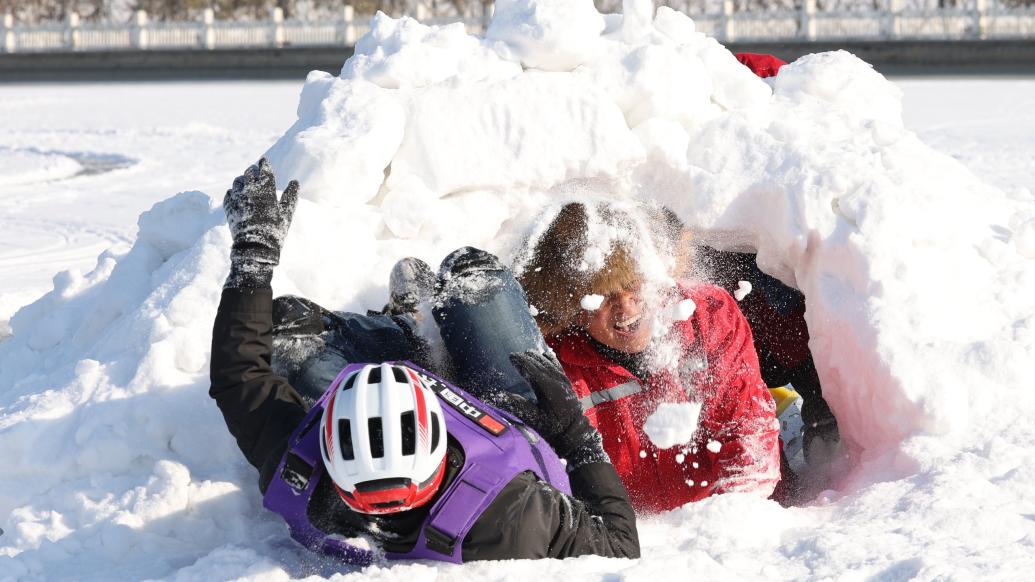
[{"x": 260, "y": 408}]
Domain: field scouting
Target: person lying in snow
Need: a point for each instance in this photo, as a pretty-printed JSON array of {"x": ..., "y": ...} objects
[
  {"x": 613, "y": 356},
  {"x": 393, "y": 453}
]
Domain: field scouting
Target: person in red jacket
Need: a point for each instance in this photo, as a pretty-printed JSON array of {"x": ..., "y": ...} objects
[
  {"x": 761, "y": 64},
  {"x": 615, "y": 356}
]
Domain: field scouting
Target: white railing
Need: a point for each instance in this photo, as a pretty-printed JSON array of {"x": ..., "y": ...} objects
[{"x": 727, "y": 25}]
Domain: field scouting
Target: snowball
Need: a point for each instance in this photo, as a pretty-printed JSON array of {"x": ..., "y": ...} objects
[
  {"x": 672, "y": 424},
  {"x": 714, "y": 446},
  {"x": 591, "y": 302},
  {"x": 743, "y": 289},
  {"x": 682, "y": 311}
]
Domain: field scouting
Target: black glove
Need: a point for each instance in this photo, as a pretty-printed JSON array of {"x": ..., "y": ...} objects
[
  {"x": 258, "y": 224},
  {"x": 558, "y": 415}
]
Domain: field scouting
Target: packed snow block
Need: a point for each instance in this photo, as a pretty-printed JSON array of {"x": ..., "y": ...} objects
[
  {"x": 677, "y": 26},
  {"x": 736, "y": 87},
  {"x": 843, "y": 80},
  {"x": 345, "y": 136},
  {"x": 327, "y": 246},
  {"x": 636, "y": 19},
  {"x": 652, "y": 81},
  {"x": 665, "y": 140},
  {"x": 175, "y": 223},
  {"x": 403, "y": 54},
  {"x": 535, "y": 131},
  {"x": 407, "y": 206},
  {"x": 550, "y": 35}
]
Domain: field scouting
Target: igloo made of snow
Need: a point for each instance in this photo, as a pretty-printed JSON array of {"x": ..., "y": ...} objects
[{"x": 917, "y": 278}]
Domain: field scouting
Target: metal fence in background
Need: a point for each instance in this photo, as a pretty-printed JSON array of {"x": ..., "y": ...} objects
[{"x": 983, "y": 21}]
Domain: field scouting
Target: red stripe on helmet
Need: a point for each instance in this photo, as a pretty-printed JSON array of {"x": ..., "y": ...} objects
[
  {"x": 422, "y": 408},
  {"x": 329, "y": 428}
]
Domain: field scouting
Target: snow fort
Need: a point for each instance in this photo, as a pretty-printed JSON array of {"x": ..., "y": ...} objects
[{"x": 918, "y": 281}]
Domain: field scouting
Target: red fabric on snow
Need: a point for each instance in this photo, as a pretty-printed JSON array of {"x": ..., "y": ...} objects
[
  {"x": 760, "y": 64},
  {"x": 720, "y": 370}
]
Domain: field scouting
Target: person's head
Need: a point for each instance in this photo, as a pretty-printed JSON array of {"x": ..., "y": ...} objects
[
  {"x": 383, "y": 439},
  {"x": 598, "y": 251}
]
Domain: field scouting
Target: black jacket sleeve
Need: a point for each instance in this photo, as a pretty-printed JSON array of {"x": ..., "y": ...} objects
[
  {"x": 260, "y": 408},
  {"x": 530, "y": 519}
]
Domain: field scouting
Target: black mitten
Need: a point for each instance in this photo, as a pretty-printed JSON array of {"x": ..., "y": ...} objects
[
  {"x": 258, "y": 223},
  {"x": 558, "y": 415}
]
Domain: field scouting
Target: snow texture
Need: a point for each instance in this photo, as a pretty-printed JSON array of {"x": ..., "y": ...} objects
[
  {"x": 591, "y": 302},
  {"x": 917, "y": 276},
  {"x": 673, "y": 423},
  {"x": 743, "y": 289}
]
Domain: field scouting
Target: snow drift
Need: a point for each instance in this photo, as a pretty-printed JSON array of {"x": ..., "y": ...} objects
[{"x": 918, "y": 281}]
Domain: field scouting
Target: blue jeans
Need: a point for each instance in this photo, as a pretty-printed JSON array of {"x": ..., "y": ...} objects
[{"x": 483, "y": 317}]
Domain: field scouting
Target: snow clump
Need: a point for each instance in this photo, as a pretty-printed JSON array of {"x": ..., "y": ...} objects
[
  {"x": 743, "y": 289},
  {"x": 591, "y": 302},
  {"x": 672, "y": 423}
]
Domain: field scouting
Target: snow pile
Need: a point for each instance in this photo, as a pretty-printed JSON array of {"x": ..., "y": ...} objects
[
  {"x": 917, "y": 279},
  {"x": 672, "y": 423}
]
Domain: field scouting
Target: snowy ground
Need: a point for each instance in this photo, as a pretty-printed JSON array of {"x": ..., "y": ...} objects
[
  {"x": 79, "y": 162},
  {"x": 117, "y": 466}
]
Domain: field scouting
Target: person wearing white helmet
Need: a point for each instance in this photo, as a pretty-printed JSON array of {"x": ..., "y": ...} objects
[
  {"x": 382, "y": 426},
  {"x": 393, "y": 452}
]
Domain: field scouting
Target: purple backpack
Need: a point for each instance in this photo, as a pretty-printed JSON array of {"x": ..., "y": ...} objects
[{"x": 497, "y": 447}]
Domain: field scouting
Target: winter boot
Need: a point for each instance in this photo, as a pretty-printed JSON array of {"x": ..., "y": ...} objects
[{"x": 410, "y": 282}]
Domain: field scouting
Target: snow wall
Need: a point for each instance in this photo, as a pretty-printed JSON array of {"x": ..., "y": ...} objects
[{"x": 918, "y": 281}]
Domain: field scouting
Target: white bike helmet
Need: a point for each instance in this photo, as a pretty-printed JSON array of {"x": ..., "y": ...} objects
[{"x": 384, "y": 439}]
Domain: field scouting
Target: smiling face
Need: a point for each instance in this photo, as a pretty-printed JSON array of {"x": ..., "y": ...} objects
[{"x": 621, "y": 322}]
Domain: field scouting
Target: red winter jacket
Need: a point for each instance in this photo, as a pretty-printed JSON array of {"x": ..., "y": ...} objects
[
  {"x": 760, "y": 64},
  {"x": 720, "y": 369}
]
